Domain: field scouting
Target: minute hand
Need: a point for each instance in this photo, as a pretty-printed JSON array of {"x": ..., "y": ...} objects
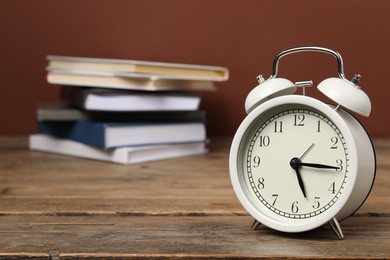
[{"x": 317, "y": 165}]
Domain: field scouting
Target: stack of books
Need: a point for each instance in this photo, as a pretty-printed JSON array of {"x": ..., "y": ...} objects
[{"x": 125, "y": 111}]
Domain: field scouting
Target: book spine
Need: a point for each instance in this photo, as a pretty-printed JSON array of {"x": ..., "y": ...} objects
[{"x": 81, "y": 131}]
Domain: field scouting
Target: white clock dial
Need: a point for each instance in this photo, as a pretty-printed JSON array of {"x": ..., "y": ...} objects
[{"x": 295, "y": 164}]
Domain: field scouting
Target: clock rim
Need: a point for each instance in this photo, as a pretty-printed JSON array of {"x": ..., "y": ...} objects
[{"x": 303, "y": 224}]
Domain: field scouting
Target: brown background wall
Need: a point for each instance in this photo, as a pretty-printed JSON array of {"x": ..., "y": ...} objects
[{"x": 241, "y": 35}]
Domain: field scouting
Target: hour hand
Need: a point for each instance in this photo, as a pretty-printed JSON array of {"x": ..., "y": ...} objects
[
  {"x": 295, "y": 163},
  {"x": 300, "y": 181}
]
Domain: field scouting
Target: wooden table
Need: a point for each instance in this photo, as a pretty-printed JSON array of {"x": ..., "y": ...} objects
[{"x": 59, "y": 207}]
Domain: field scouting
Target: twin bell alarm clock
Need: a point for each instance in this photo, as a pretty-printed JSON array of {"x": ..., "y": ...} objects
[{"x": 297, "y": 163}]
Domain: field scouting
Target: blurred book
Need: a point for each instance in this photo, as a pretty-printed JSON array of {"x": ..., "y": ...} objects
[
  {"x": 134, "y": 68},
  {"x": 101, "y": 79},
  {"x": 125, "y": 107},
  {"x": 61, "y": 112},
  {"x": 100, "y": 99},
  {"x": 117, "y": 134},
  {"x": 122, "y": 155}
]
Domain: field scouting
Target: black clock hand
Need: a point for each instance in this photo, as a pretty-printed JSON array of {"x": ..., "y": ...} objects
[
  {"x": 300, "y": 181},
  {"x": 317, "y": 165},
  {"x": 295, "y": 163}
]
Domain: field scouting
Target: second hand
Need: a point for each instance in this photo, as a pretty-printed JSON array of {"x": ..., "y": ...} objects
[{"x": 307, "y": 151}]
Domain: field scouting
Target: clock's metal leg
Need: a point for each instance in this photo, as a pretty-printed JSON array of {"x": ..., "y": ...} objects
[
  {"x": 256, "y": 224},
  {"x": 334, "y": 224}
]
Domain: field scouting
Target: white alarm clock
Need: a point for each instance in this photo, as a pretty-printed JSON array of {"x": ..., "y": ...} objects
[{"x": 296, "y": 162}]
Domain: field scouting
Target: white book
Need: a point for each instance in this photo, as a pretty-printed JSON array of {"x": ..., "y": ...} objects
[
  {"x": 101, "y": 99},
  {"x": 101, "y": 79},
  {"x": 141, "y": 102},
  {"x": 136, "y": 68},
  {"x": 122, "y": 155}
]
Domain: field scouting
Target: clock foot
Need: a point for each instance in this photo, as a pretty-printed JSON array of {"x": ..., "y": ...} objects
[
  {"x": 256, "y": 225},
  {"x": 334, "y": 224}
]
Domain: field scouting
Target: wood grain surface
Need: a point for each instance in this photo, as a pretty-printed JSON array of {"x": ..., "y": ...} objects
[{"x": 58, "y": 207}]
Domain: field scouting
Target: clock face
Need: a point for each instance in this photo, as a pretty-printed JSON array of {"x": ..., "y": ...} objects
[{"x": 293, "y": 163}]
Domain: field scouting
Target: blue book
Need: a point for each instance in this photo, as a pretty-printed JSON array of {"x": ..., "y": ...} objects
[{"x": 119, "y": 134}]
